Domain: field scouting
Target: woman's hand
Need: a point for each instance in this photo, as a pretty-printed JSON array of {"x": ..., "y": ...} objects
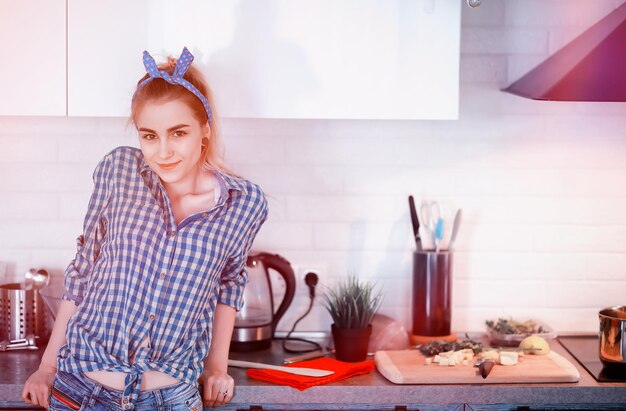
[
  {"x": 37, "y": 387},
  {"x": 218, "y": 387}
]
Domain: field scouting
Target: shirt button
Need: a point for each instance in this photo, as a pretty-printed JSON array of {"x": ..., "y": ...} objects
[
  {"x": 205, "y": 215},
  {"x": 172, "y": 234},
  {"x": 162, "y": 276},
  {"x": 151, "y": 316}
]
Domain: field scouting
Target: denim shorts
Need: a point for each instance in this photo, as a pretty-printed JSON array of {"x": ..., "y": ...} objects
[{"x": 79, "y": 392}]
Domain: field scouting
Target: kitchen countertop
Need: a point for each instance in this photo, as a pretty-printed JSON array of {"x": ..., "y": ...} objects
[{"x": 371, "y": 391}]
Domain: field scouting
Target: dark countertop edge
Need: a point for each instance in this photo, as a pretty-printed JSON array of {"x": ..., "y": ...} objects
[
  {"x": 441, "y": 394},
  {"x": 406, "y": 394}
]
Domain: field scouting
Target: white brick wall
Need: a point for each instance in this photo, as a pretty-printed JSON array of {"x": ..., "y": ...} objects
[{"x": 542, "y": 184}]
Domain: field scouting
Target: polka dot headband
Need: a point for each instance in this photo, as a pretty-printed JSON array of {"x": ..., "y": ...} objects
[{"x": 182, "y": 64}]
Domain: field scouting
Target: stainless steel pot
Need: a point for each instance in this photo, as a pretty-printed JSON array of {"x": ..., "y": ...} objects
[{"x": 613, "y": 337}]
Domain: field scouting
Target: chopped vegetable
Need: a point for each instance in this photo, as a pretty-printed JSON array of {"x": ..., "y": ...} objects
[
  {"x": 436, "y": 347},
  {"x": 490, "y": 354},
  {"x": 451, "y": 358},
  {"x": 508, "y": 357}
]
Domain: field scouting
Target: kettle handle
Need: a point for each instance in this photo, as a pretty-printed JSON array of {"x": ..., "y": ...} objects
[{"x": 282, "y": 266}]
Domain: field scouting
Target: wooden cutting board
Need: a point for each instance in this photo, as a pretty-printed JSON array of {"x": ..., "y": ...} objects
[{"x": 409, "y": 367}]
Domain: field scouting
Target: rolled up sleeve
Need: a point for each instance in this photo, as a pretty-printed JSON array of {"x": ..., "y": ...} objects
[
  {"x": 235, "y": 276},
  {"x": 88, "y": 243}
]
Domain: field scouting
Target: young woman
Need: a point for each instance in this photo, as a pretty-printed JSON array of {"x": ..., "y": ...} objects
[{"x": 152, "y": 294}]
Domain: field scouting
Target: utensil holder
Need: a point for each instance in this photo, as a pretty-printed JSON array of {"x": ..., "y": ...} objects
[
  {"x": 432, "y": 296},
  {"x": 22, "y": 313}
]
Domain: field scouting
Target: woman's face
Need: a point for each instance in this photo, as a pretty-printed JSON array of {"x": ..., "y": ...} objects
[{"x": 171, "y": 140}]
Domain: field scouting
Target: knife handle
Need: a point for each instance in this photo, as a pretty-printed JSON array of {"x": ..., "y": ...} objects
[
  {"x": 485, "y": 367},
  {"x": 416, "y": 223}
]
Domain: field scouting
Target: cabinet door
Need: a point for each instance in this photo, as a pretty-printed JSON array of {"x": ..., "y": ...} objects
[
  {"x": 105, "y": 42},
  {"x": 353, "y": 59},
  {"x": 32, "y": 46}
]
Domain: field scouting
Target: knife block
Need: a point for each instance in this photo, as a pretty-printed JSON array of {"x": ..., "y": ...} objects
[{"x": 432, "y": 299}]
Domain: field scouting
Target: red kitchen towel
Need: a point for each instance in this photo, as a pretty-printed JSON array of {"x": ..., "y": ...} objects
[{"x": 342, "y": 371}]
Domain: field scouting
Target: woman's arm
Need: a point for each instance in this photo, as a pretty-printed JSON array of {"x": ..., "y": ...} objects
[
  {"x": 218, "y": 385},
  {"x": 37, "y": 388},
  {"x": 215, "y": 378},
  {"x": 94, "y": 230}
]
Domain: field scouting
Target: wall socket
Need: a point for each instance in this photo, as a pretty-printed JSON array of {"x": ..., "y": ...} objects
[{"x": 302, "y": 270}]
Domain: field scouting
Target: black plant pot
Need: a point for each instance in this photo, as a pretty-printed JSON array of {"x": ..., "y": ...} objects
[{"x": 351, "y": 343}]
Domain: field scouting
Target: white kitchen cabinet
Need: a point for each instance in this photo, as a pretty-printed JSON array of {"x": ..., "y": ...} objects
[
  {"x": 105, "y": 42},
  {"x": 32, "y": 46},
  {"x": 354, "y": 59}
]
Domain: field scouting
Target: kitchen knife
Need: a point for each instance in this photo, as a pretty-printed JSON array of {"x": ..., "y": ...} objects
[
  {"x": 416, "y": 224},
  {"x": 515, "y": 349},
  {"x": 306, "y": 356},
  {"x": 309, "y": 372}
]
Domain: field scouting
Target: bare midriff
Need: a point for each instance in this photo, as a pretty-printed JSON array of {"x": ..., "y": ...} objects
[{"x": 150, "y": 380}]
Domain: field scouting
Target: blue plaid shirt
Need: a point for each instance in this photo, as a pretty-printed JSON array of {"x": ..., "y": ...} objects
[{"x": 137, "y": 273}]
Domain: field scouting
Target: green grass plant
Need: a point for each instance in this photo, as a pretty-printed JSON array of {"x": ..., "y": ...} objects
[{"x": 353, "y": 303}]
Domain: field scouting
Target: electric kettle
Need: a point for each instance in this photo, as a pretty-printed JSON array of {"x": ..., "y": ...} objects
[{"x": 256, "y": 322}]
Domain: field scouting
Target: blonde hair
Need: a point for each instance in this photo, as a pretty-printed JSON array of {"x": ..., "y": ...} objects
[{"x": 157, "y": 89}]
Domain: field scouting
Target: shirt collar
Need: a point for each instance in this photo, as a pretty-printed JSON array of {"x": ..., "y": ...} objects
[{"x": 232, "y": 182}]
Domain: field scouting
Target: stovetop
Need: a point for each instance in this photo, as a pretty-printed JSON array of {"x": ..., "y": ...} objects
[{"x": 586, "y": 351}]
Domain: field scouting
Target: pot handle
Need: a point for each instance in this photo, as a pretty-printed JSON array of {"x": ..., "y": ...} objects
[{"x": 283, "y": 267}]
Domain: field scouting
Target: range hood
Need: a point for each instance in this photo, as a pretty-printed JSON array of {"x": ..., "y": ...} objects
[{"x": 590, "y": 68}]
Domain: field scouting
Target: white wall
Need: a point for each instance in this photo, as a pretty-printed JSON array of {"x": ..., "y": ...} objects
[{"x": 542, "y": 184}]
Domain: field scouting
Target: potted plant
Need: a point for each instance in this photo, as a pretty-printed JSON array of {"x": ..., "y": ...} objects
[{"x": 352, "y": 306}]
